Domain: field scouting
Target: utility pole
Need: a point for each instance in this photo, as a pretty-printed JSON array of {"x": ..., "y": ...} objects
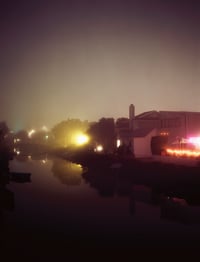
[{"x": 131, "y": 125}]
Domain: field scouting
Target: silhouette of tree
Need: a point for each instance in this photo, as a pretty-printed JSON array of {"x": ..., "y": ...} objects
[
  {"x": 4, "y": 130},
  {"x": 39, "y": 137},
  {"x": 5, "y": 144},
  {"x": 122, "y": 123},
  {"x": 103, "y": 132}
]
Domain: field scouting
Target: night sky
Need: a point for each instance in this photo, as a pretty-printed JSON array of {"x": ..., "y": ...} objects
[{"x": 91, "y": 59}]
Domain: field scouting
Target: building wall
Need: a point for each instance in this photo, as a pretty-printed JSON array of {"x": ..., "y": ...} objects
[
  {"x": 142, "y": 145},
  {"x": 193, "y": 124},
  {"x": 176, "y": 124},
  {"x": 182, "y": 124},
  {"x": 146, "y": 123}
]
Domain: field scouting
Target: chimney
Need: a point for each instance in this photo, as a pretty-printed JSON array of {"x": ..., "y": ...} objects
[{"x": 131, "y": 116}]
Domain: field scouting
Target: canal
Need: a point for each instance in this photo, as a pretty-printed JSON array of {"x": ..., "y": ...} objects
[{"x": 62, "y": 207}]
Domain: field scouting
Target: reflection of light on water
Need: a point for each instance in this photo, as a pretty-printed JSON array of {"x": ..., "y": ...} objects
[
  {"x": 44, "y": 160},
  {"x": 67, "y": 172}
]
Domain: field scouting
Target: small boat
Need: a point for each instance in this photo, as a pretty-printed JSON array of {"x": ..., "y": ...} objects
[{"x": 20, "y": 177}]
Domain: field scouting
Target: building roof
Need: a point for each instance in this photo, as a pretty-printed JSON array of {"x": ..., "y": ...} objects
[
  {"x": 149, "y": 115},
  {"x": 139, "y": 132},
  {"x": 142, "y": 132}
]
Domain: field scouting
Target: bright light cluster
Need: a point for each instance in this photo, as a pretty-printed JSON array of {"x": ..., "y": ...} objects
[
  {"x": 182, "y": 153},
  {"x": 195, "y": 141}
]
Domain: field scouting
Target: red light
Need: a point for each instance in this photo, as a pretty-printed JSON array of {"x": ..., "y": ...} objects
[{"x": 182, "y": 153}]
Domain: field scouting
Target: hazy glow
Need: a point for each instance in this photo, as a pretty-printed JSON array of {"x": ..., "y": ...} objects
[
  {"x": 92, "y": 59},
  {"x": 195, "y": 141},
  {"x": 81, "y": 139},
  {"x": 44, "y": 128},
  {"x": 67, "y": 172},
  {"x": 186, "y": 152}
]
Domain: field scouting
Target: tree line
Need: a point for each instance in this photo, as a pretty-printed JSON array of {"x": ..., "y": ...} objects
[{"x": 101, "y": 132}]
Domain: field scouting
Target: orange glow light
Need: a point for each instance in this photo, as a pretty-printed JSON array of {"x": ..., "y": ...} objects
[{"x": 182, "y": 153}]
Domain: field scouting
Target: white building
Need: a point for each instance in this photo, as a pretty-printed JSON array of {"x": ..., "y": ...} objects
[{"x": 157, "y": 124}]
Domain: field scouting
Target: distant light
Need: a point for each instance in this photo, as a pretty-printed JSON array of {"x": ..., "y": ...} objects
[
  {"x": 194, "y": 140},
  {"x": 164, "y": 133},
  {"x": 46, "y": 137},
  {"x": 31, "y": 132},
  {"x": 16, "y": 151},
  {"x": 17, "y": 140},
  {"x": 118, "y": 142},
  {"x": 98, "y": 148}
]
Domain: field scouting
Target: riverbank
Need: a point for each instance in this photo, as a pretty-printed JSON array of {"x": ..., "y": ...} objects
[{"x": 173, "y": 178}]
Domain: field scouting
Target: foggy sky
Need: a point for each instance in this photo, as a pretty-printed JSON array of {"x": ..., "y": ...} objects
[{"x": 92, "y": 59}]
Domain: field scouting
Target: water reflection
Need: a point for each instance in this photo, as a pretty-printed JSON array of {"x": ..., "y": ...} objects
[
  {"x": 110, "y": 182},
  {"x": 6, "y": 196},
  {"x": 177, "y": 209},
  {"x": 67, "y": 172},
  {"x": 107, "y": 206},
  {"x": 6, "y": 199},
  {"x": 178, "y": 203},
  {"x": 7, "y": 203},
  {"x": 23, "y": 157}
]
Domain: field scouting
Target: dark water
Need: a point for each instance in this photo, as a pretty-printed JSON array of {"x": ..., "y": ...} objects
[{"x": 64, "y": 209}]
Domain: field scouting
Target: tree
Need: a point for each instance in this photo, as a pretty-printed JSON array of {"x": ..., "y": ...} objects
[
  {"x": 122, "y": 123},
  {"x": 4, "y": 130},
  {"x": 103, "y": 132},
  {"x": 5, "y": 145},
  {"x": 65, "y": 131}
]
